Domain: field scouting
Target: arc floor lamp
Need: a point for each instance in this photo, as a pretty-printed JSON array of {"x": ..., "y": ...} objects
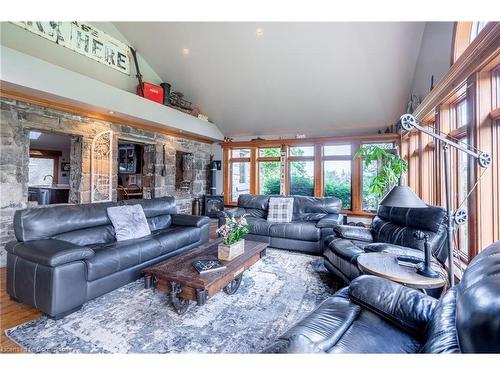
[{"x": 458, "y": 217}]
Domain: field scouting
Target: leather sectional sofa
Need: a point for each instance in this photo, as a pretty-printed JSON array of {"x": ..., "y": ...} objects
[
  {"x": 313, "y": 221},
  {"x": 392, "y": 230},
  {"x": 67, "y": 255},
  {"x": 374, "y": 315}
]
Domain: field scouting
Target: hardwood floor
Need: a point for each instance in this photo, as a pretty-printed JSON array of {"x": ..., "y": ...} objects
[{"x": 13, "y": 313}]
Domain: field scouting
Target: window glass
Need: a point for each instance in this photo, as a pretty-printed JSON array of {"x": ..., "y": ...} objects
[
  {"x": 462, "y": 194},
  {"x": 460, "y": 114},
  {"x": 240, "y": 179},
  {"x": 335, "y": 150},
  {"x": 38, "y": 169},
  {"x": 477, "y": 26},
  {"x": 302, "y": 178},
  {"x": 337, "y": 180},
  {"x": 240, "y": 153},
  {"x": 302, "y": 151},
  {"x": 270, "y": 152},
  {"x": 269, "y": 177},
  {"x": 370, "y": 200}
]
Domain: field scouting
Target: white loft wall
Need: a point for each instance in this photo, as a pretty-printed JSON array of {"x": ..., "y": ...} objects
[
  {"x": 434, "y": 57},
  {"x": 17, "y": 38}
]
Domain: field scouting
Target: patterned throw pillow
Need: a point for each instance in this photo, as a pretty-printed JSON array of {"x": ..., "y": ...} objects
[
  {"x": 129, "y": 222},
  {"x": 280, "y": 210}
]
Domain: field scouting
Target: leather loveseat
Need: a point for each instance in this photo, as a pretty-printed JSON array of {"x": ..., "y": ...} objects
[
  {"x": 374, "y": 315},
  {"x": 67, "y": 255},
  {"x": 393, "y": 230},
  {"x": 313, "y": 220}
]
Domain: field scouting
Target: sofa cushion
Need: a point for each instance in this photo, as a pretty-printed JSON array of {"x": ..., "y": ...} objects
[
  {"x": 87, "y": 236},
  {"x": 314, "y": 209},
  {"x": 254, "y": 205},
  {"x": 129, "y": 222},
  {"x": 176, "y": 237},
  {"x": 346, "y": 249},
  {"x": 258, "y": 226},
  {"x": 340, "y": 326},
  {"x": 118, "y": 256},
  {"x": 298, "y": 230},
  {"x": 280, "y": 210}
]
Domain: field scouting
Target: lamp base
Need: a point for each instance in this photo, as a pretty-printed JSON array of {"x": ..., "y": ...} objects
[{"x": 427, "y": 272}]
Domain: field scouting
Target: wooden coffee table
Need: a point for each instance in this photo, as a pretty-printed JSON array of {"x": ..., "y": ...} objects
[{"x": 177, "y": 277}]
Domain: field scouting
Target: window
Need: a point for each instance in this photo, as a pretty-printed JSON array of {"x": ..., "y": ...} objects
[
  {"x": 269, "y": 152},
  {"x": 462, "y": 168},
  {"x": 337, "y": 173},
  {"x": 337, "y": 180},
  {"x": 241, "y": 179},
  {"x": 337, "y": 150},
  {"x": 269, "y": 177},
  {"x": 477, "y": 26},
  {"x": 39, "y": 168},
  {"x": 317, "y": 168},
  {"x": 302, "y": 151},
  {"x": 302, "y": 178},
  {"x": 269, "y": 171},
  {"x": 370, "y": 200},
  {"x": 240, "y": 173}
]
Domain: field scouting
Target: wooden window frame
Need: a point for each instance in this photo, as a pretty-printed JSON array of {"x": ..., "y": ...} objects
[{"x": 318, "y": 158}]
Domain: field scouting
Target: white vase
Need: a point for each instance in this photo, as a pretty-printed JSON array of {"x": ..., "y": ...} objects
[{"x": 229, "y": 252}]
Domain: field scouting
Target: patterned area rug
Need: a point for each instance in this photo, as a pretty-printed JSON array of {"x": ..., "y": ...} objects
[{"x": 275, "y": 293}]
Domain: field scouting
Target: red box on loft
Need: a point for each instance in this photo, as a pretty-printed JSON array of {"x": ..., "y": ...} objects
[{"x": 151, "y": 92}]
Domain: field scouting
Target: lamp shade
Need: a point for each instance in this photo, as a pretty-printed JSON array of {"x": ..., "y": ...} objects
[{"x": 402, "y": 196}]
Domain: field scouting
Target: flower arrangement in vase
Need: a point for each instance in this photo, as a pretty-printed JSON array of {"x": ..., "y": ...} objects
[{"x": 232, "y": 232}]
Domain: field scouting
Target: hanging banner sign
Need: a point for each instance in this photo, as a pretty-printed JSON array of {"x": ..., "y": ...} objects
[{"x": 84, "y": 39}]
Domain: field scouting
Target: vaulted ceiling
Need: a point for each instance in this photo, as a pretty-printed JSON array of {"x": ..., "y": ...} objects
[{"x": 286, "y": 78}]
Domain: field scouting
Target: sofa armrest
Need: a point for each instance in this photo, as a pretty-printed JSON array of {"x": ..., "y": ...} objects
[
  {"x": 189, "y": 220},
  {"x": 330, "y": 221},
  {"x": 382, "y": 247},
  {"x": 49, "y": 252},
  {"x": 350, "y": 232},
  {"x": 406, "y": 307}
]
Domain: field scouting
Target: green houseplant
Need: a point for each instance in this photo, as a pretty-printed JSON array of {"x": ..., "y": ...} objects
[
  {"x": 232, "y": 233},
  {"x": 390, "y": 167}
]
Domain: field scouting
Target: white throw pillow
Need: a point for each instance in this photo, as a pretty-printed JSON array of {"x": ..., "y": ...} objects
[
  {"x": 129, "y": 222},
  {"x": 280, "y": 210}
]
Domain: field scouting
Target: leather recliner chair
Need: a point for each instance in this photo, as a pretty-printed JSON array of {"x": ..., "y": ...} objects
[
  {"x": 67, "y": 255},
  {"x": 393, "y": 230},
  {"x": 375, "y": 315},
  {"x": 313, "y": 220}
]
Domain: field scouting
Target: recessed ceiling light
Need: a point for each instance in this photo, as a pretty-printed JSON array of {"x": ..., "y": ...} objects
[
  {"x": 185, "y": 51},
  {"x": 259, "y": 31},
  {"x": 111, "y": 112}
]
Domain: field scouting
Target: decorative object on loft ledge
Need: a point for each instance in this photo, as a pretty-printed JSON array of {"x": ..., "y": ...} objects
[{"x": 459, "y": 216}]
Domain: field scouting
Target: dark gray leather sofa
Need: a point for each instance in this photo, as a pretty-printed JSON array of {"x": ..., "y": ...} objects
[
  {"x": 374, "y": 315},
  {"x": 313, "y": 220},
  {"x": 67, "y": 255},
  {"x": 392, "y": 230}
]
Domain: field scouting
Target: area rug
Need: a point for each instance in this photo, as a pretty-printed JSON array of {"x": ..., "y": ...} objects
[{"x": 275, "y": 293}]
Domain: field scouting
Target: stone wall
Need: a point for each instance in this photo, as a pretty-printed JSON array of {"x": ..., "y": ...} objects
[{"x": 18, "y": 118}]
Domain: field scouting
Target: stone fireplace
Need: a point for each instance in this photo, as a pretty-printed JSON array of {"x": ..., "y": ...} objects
[{"x": 18, "y": 118}]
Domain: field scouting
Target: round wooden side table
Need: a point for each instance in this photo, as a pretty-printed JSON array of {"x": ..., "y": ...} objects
[{"x": 386, "y": 265}]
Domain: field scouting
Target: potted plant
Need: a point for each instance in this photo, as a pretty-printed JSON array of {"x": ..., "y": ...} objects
[
  {"x": 232, "y": 232},
  {"x": 390, "y": 167}
]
